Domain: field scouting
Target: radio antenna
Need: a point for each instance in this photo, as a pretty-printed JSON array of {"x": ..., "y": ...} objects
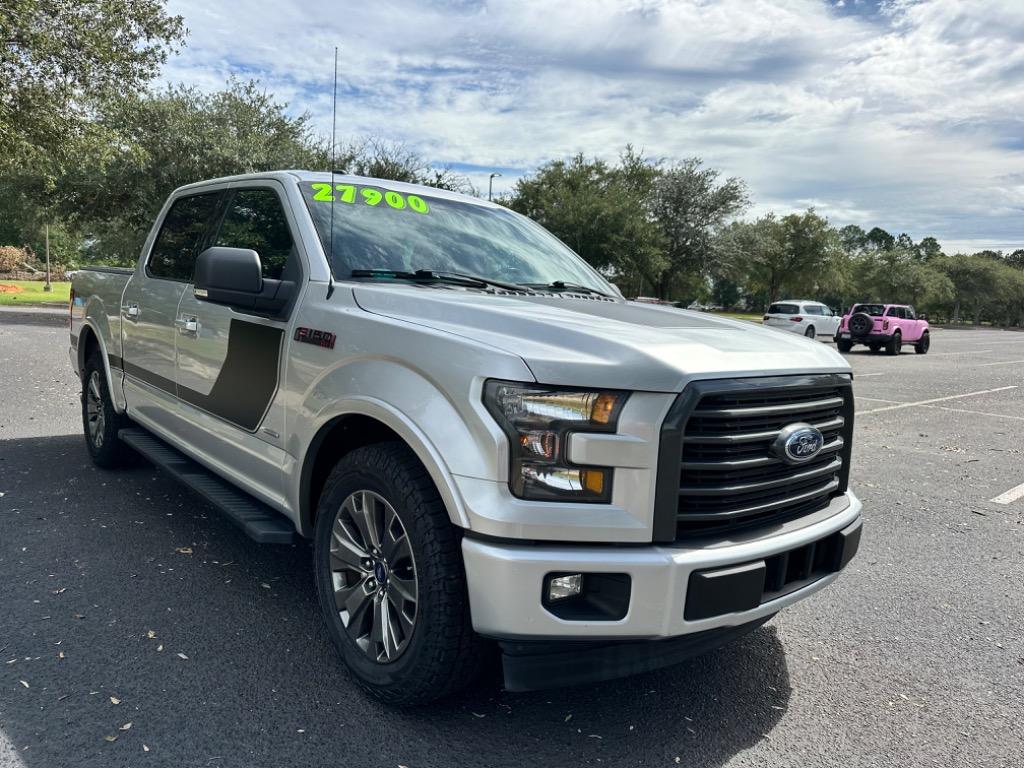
[{"x": 334, "y": 133}]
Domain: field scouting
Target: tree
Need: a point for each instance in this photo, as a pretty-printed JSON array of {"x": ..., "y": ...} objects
[
  {"x": 62, "y": 62},
  {"x": 929, "y": 249},
  {"x": 755, "y": 254},
  {"x": 1016, "y": 259},
  {"x": 601, "y": 211},
  {"x": 880, "y": 240},
  {"x": 175, "y": 137},
  {"x": 381, "y": 160},
  {"x": 853, "y": 239},
  {"x": 690, "y": 205},
  {"x": 975, "y": 280}
]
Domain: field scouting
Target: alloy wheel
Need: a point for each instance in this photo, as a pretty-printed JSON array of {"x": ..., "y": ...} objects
[
  {"x": 373, "y": 573},
  {"x": 94, "y": 409}
]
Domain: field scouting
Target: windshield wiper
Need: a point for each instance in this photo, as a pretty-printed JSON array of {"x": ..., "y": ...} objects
[
  {"x": 436, "y": 276},
  {"x": 559, "y": 285}
]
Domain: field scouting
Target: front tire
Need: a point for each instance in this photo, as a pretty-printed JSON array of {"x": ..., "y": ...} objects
[
  {"x": 844, "y": 345},
  {"x": 924, "y": 344},
  {"x": 100, "y": 421},
  {"x": 390, "y": 578}
]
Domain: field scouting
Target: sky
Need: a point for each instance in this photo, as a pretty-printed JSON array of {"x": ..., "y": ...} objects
[{"x": 903, "y": 114}]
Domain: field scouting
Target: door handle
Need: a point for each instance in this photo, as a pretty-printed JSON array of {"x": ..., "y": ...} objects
[
  {"x": 131, "y": 311},
  {"x": 187, "y": 326}
]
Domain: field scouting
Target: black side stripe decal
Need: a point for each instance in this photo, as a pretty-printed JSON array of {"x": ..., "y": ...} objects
[{"x": 247, "y": 380}]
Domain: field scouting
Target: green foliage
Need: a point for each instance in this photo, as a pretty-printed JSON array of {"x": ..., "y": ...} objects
[
  {"x": 61, "y": 62},
  {"x": 602, "y": 212},
  {"x": 690, "y": 205},
  {"x": 381, "y": 160}
]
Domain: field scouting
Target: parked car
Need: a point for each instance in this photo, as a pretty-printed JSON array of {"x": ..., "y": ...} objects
[
  {"x": 491, "y": 450},
  {"x": 808, "y": 318},
  {"x": 884, "y": 325}
]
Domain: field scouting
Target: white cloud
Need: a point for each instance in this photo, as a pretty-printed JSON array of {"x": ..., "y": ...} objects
[{"x": 908, "y": 117}]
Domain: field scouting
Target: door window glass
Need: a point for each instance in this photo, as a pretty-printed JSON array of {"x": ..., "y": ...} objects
[
  {"x": 181, "y": 235},
  {"x": 910, "y": 314},
  {"x": 255, "y": 219}
]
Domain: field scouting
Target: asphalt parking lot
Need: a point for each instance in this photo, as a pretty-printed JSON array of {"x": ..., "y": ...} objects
[{"x": 130, "y": 609}]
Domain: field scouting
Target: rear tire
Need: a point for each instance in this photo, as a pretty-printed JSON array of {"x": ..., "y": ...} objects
[
  {"x": 844, "y": 345},
  {"x": 100, "y": 421},
  {"x": 923, "y": 345},
  {"x": 417, "y": 554},
  {"x": 809, "y": 333},
  {"x": 895, "y": 344}
]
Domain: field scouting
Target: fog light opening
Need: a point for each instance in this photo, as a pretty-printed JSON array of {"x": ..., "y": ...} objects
[{"x": 564, "y": 587}]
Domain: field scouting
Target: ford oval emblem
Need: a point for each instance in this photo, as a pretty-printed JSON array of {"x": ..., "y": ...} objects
[{"x": 798, "y": 443}]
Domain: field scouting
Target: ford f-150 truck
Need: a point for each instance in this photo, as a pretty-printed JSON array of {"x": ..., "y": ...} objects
[{"x": 494, "y": 454}]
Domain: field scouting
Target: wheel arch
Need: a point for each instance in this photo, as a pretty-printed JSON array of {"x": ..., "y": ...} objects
[
  {"x": 369, "y": 424},
  {"x": 90, "y": 339}
]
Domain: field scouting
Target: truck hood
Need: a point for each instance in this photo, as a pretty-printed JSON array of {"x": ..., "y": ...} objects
[{"x": 613, "y": 344}]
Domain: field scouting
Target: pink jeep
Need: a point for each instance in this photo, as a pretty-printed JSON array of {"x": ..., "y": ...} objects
[{"x": 883, "y": 325}]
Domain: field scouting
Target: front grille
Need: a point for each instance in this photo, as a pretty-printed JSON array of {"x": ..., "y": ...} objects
[{"x": 725, "y": 476}]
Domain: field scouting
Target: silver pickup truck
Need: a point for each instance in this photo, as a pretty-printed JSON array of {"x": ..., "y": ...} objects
[{"x": 494, "y": 454}]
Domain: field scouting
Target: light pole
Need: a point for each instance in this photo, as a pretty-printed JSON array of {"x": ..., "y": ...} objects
[
  {"x": 47, "y": 288},
  {"x": 490, "y": 184}
]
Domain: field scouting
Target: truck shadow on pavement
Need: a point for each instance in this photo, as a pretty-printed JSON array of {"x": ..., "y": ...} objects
[{"x": 137, "y": 626}]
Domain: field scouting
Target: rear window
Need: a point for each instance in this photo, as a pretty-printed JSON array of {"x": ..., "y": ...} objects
[
  {"x": 783, "y": 309},
  {"x": 875, "y": 310}
]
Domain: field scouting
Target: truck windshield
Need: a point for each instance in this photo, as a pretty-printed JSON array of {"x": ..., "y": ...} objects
[
  {"x": 379, "y": 229},
  {"x": 875, "y": 310}
]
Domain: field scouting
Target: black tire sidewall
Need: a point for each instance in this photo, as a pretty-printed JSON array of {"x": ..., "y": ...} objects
[
  {"x": 110, "y": 453},
  {"x": 924, "y": 344},
  {"x": 810, "y": 333},
  {"x": 395, "y": 680}
]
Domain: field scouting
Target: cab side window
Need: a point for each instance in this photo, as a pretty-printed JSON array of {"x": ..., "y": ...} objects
[
  {"x": 910, "y": 314},
  {"x": 255, "y": 219},
  {"x": 176, "y": 246}
]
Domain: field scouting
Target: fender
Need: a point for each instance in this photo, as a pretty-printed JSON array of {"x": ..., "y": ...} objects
[
  {"x": 94, "y": 321},
  {"x": 448, "y": 440}
]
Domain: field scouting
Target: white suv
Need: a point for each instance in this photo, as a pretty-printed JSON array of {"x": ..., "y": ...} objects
[{"x": 808, "y": 318}]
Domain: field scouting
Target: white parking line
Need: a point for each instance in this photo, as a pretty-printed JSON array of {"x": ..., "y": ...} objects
[
  {"x": 877, "y": 399},
  {"x": 976, "y": 413},
  {"x": 1004, "y": 362},
  {"x": 935, "y": 400},
  {"x": 1010, "y": 496},
  {"x": 965, "y": 352},
  {"x": 862, "y": 375}
]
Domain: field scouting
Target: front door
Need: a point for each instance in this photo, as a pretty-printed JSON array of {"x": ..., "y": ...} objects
[
  {"x": 229, "y": 360},
  {"x": 150, "y": 306}
]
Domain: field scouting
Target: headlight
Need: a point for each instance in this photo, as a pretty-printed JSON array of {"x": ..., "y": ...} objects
[{"x": 538, "y": 421}]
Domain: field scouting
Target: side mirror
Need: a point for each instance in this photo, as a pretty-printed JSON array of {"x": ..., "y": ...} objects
[
  {"x": 922, "y": 317},
  {"x": 234, "y": 277}
]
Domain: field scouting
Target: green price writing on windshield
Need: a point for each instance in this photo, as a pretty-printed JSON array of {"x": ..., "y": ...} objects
[{"x": 350, "y": 193}]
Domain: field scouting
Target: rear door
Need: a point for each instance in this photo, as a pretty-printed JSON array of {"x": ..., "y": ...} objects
[
  {"x": 229, "y": 361},
  {"x": 150, "y": 305}
]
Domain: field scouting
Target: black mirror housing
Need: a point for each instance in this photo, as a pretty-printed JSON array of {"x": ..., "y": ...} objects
[
  {"x": 231, "y": 276},
  {"x": 234, "y": 276}
]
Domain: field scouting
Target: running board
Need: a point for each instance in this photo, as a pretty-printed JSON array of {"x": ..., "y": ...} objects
[{"x": 260, "y": 522}]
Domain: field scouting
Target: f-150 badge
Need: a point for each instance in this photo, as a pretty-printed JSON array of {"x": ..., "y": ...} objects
[{"x": 315, "y": 337}]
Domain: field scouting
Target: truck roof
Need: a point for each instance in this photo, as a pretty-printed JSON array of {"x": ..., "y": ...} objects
[{"x": 294, "y": 175}]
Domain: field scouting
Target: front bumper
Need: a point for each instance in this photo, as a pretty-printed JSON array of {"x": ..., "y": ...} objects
[{"x": 666, "y": 598}]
